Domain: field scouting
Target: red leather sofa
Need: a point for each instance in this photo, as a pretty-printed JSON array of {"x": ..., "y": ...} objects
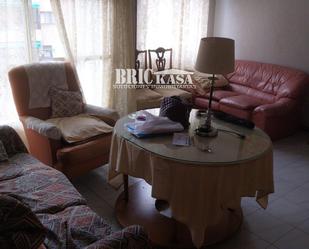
[{"x": 269, "y": 95}]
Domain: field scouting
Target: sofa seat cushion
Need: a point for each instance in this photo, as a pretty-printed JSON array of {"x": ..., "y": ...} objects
[
  {"x": 243, "y": 102},
  {"x": 76, "y": 154},
  {"x": 147, "y": 98},
  {"x": 42, "y": 188},
  {"x": 220, "y": 94},
  {"x": 168, "y": 92},
  {"x": 202, "y": 103}
]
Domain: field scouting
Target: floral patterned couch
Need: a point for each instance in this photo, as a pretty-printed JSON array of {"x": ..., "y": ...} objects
[{"x": 64, "y": 213}]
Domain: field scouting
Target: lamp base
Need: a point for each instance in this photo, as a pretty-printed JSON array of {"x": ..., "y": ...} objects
[{"x": 206, "y": 131}]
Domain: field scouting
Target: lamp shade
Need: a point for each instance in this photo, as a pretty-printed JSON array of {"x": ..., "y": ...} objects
[{"x": 216, "y": 55}]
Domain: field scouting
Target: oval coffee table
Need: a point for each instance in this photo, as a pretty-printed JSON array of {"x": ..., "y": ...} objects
[{"x": 202, "y": 183}]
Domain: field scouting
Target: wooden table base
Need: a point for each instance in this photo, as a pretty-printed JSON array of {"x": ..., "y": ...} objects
[{"x": 163, "y": 231}]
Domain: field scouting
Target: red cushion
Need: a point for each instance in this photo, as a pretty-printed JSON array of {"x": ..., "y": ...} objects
[
  {"x": 220, "y": 94},
  {"x": 243, "y": 102},
  {"x": 203, "y": 103},
  {"x": 271, "y": 79}
]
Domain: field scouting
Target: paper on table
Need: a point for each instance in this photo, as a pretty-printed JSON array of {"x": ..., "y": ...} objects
[
  {"x": 181, "y": 139},
  {"x": 152, "y": 125}
]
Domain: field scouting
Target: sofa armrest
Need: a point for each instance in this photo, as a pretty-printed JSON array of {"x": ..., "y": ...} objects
[
  {"x": 108, "y": 115},
  {"x": 11, "y": 141},
  {"x": 42, "y": 127},
  {"x": 132, "y": 237},
  {"x": 279, "y": 108}
]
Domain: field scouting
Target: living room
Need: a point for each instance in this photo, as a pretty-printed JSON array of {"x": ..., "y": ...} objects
[{"x": 154, "y": 124}]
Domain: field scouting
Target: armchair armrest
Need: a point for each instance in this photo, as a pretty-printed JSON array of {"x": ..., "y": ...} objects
[
  {"x": 279, "y": 108},
  {"x": 42, "y": 127},
  {"x": 108, "y": 115},
  {"x": 11, "y": 141},
  {"x": 132, "y": 237}
]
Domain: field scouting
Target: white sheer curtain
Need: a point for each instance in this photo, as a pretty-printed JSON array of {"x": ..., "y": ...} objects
[
  {"x": 177, "y": 24},
  {"x": 13, "y": 51},
  {"x": 98, "y": 36},
  {"x": 123, "y": 44},
  {"x": 81, "y": 25}
]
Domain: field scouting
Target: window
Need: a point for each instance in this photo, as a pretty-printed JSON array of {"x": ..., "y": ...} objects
[
  {"x": 28, "y": 33},
  {"x": 176, "y": 24},
  {"x": 47, "y": 45}
]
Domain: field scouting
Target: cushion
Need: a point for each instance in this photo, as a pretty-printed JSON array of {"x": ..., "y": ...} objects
[
  {"x": 220, "y": 94},
  {"x": 201, "y": 102},
  {"x": 19, "y": 226},
  {"x": 84, "y": 152},
  {"x": 147, "y": 98},
  {"x": 169, "y": 92},
  {"x": 244, "y": 102},
  {"x": 3, "y": 155},
  {"x": 203, "y": 80},
  {"x": 80, "y": 127},
  {"x": 65, "y": 103}
]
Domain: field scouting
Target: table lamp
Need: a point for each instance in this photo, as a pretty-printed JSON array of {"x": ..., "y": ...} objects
[{"x": 215, "y": 56}]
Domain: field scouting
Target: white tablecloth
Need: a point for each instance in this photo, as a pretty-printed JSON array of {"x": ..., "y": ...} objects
[{"x": 197, "y": 194}]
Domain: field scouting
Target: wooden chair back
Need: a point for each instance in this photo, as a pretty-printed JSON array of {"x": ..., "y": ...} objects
[{"x": 160, "y": 61}]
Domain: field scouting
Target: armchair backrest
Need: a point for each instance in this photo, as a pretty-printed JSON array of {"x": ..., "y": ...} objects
[{"x": 19, "y": 80}]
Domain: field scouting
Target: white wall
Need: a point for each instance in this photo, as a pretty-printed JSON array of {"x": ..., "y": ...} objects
[{"x": 273, "y": 31}]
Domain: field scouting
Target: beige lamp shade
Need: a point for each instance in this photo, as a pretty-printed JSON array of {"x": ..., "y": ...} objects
[{"x": 216, "y": 55}]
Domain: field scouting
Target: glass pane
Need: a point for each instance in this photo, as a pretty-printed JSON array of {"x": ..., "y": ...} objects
[
  {"x": 47, "y": 45},
  {"x": 13, "y": 52}
]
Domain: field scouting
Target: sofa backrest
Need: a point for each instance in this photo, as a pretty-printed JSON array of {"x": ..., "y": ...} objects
[{"x": 268, "y": 80}]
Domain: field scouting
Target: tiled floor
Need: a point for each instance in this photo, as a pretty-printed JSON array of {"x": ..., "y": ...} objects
[{"x": 283, "y": 225}]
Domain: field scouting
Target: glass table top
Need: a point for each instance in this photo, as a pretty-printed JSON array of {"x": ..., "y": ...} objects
[{"x": 226, "y": 148}]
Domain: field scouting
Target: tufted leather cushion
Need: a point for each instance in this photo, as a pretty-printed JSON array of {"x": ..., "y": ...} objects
[
  {"x": 271, "y": 79},
  {"x": 201, "y": 102},
  {"x": 220, "y": 94},
  {"x": 244, "y": 102}
]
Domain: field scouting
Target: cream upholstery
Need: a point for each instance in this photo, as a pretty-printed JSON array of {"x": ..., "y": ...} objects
[
  {"x": 173, "y": 92},
  {"x": 148, "y": 98}
]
